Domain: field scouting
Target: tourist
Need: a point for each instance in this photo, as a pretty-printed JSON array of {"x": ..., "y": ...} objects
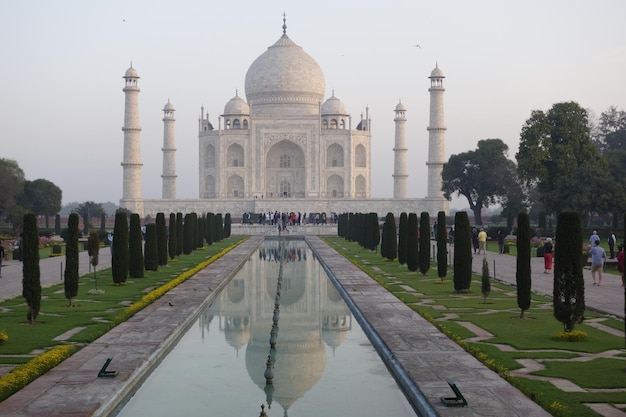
[
  {"x": 475, "y": 239},
  {"x": 620, "y": 262},
  {"x": 597, "y": 261},
  {"x": 1, "y": 257},
  {"x": 482, "y": 241},
  {"x": 594, "y": 238},
  {"x": 612, "y": 241},
  {"x": 547, "y": 256},
  {"x": 500, "y": 241}
]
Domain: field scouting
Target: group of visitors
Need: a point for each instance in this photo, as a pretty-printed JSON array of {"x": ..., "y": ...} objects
[{"x": 479, "y": 241}]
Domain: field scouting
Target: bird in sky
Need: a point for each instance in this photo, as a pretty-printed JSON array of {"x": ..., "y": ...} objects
[{"x": 417, "y": 46}]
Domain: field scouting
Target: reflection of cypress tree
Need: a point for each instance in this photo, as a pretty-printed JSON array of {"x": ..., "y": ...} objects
[
  {"x": 411, "y": 260},
  {"x": 161, "y": 236},
  {"x": 152, "y": 251},
  {"x": 442, "y": 250},
  {"x": 70, "y": 276},
  {"x": 172, "y": 238},
  {"x": 403, "y": 241},
  {"x": 522, "y": 274},
  {"x": 31, "y": 275},
  {"x": 424, "y": 243},
  {"x": 569, "y": 287},
  {"x": 135, "y": 250},
  {"x": 462, "y": 252},
  {"x": 119, "y": 259},
  {"x": 180, "y": 231}
]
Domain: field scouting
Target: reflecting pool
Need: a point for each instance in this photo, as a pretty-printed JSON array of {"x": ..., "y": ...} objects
[{"x": 224, "y": 365}]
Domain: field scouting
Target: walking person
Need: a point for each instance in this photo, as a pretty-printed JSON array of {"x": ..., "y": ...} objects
[
  {"x": 612, "y": 241},
  {"x": 620, "y": 262},
  {"x": 1, "y": 257},
  {"x": 482, "y": 241},
  {"x": 500, "y": 241},
  {"x": 598, "y": 255},
  {"x": 475, "y": 240},
  {"x": 547, "y": 256}
]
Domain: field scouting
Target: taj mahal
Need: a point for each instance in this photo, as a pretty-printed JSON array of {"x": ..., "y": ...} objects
[{"x": 283, "y": 147}]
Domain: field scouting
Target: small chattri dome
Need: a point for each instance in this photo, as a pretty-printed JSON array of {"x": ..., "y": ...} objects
[
  {"x": 236, "y": 105},
  {"x": 168, "y": 106},
  {"x": 400, "y": 107},
  {"x": 333, "y": 106},
  {"x": 437, "y": 73},
  {"x": 131, "y": 73}
]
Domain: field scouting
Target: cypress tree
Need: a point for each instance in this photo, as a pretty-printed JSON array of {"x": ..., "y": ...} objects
[
  {"x": 411, "y": 260},
  {"x": 424, "y": 243},
  {"x": 403, "y": 241},
  {"x": 522, "y": 274},
  {"x": 161, "y": 236},
  {"x": 70, "y": 276},
  {"x": 151, "y": 260},
  {"x": 624, "y": 244},
  {"x": 462, "y": 252},
  {"x": 390, "y": 241},
  {"x": 210, "y": 227},
  {"x": 31, "y": 282},
  {"x": 93, "y": 247},
  {"x": 373, "y": 232},
  {"x": 180, "y": 231},
  {"x": 200, "y": 232},
  {"x": 227, "y": 225},
  {"x": 172, "y": 239},
  {"x": 135, "y": 250},
  {"x": 57, "y": 224},
  {"x": 569, "y": 286},
  {"x": 219, "y": 226},
  {"x": 485, "y": 286},
  {"x": 188, "y": 234},
  {"x": 119, "y": 259},
  {"x": 442, "y": 248}
]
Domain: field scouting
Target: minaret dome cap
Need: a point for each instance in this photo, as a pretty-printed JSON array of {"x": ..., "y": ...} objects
[
  {"x": 131, "y": 73},
  {"x": 437, "y": 73}
]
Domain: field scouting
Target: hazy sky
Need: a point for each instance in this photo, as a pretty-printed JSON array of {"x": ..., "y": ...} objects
[{"x": 62, "y": 104}]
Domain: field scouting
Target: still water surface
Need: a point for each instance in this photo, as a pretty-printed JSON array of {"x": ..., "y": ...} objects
[{"x": 323, "y": 363}]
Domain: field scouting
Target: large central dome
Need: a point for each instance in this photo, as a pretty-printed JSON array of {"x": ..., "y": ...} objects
[{"x": 285, "y": 74}]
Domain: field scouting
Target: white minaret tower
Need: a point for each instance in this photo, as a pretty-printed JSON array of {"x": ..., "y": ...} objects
[
  {"x": 131, "y": 165},
  {"x": 436, "y": 134},
  {"x": 169, "y": 153},
  {"x": 400, "y": 173}
]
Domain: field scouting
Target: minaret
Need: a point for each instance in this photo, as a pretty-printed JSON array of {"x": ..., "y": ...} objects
[
  {"x": 131, "y": 165},
  {"x": 436, "y": 134},
  {"x": 400, "y": 173},
  {"x": 169, "y": 153}
]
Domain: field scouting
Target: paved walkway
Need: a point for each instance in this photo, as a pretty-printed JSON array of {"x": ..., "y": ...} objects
[{"x": 428, "y": 357}]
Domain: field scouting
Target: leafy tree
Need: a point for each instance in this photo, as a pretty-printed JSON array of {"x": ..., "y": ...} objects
[
  {"x": 11, "y": 186},
  {"x": 88, "y": 210},
  {"x": 119, "y": 259},
  {"x": 556, "y": 153},
  {"x": 403, "y": 239},
  {"x": 485, "y": 283},
  {"x": 71, "y": 259},
  {"x": 483, "y": 176},
  {"x": 569, "y": 286},
  {"x": 424, "y": 243},
  {"x": 442, "y": 249},
  {"x": 462, "y": 252},
  {"x": 93, "y": 248},
  {"x": 135, "y": 247},
  {"x": 161, "y": 236},
  {"x": 412, "y": 252},
  {"x": 522, "y": 274},
  {"x": 42, "y": 197},
  {"x": 152, "y": 255},
  {"x": 227, "y": 225},
  {"x": 172, "y": 239},
  {"x": 31, "y": 282}
]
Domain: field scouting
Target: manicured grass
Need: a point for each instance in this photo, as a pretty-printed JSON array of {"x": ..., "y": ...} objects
[
  {"x": 530, "y": 338},
  {"x": 94, "y": 312}
]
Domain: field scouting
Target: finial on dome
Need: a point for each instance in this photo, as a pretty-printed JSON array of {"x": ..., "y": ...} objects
[
  {"x": 236, "y": 92},
  {"x": 333, "y": 92},
  {"x": 284, "y": 23}
]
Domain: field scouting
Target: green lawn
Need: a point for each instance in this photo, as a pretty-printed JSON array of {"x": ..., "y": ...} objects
[{"x": 528, "y": 338}]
